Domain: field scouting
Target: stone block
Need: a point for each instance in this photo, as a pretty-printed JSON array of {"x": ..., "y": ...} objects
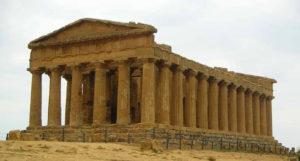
[
  {"x": 97, "y": 138},
  {"x": 14, "y": 135},
  {"x": 122, "y": 139},
  {"x": 112, "y": 138},
  {"x": 225, "y": 145},
  {"x": 29, "y": 137},
  {"x": 145, "y": 145},
  {"x": 156, "y": 145}
]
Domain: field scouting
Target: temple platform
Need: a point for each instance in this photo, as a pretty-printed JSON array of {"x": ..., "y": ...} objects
[{"x": 142, "y": 132}]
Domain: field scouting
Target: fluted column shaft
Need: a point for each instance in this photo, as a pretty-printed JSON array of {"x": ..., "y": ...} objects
[
  {"x": 100, "y": 94},
  {"x": 223, "y": 106},
  {"x": 68, "y": 99},
  {"x": 163, "y": 110},
  {"x": 241, "y": 121},
  {"x": 76, "y": 110},
  {"x": 256, "y": 114},
  {"x": 269, "y": 116},
  {"x": 54, "y": 109},
  {"x": 190, "y": 113},
  {"x": 202, "y": 102},
  {"x": 249, "y": 112},
  {"x": 177, "y": 98},
  {"x": 123, "y": 104},
  {"x": 263, "y": 116},
  {"x": 232, "y": 111},
  {"x": 213, "y": 104},
  {"x": 35, "y": 118},
  {"x": 148, "y": 92},
  {"x": 87, "y": 97}
]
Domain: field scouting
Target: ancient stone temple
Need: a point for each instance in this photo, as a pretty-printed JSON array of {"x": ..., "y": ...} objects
[{"x": 119, "y": 77}]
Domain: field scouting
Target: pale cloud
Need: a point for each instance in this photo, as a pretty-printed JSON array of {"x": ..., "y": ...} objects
[{"x": 258, "y": 37}]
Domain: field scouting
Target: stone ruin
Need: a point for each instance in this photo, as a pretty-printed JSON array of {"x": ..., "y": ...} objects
[{"x": 121, "y": 81}]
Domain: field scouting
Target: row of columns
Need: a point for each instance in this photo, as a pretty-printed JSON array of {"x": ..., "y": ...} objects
[
  {"x": 209, "y": 104},
  {"x": 74, "y": 96}
]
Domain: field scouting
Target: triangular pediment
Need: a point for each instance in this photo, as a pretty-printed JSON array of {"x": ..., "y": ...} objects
[{"x": 89, "y": 28}]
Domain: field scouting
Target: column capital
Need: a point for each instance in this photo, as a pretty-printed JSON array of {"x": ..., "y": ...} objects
[
  {"x": 223, "y": 83},
  {"x": 262, "y": 96},
  {"x": 98, "y": 64},
  {"x": 212, "y": 79},
  {"x": 191, "y": 72},
  {"x": 55, "y": 69},
  {"x": 67, "y": 77},
  {"x": 148, "y": 60},
  {"x": 75, "y": 65},
  {"x": 249, "y": 91},
  {"x": 203, "y": 77},
  {"x": 270, "y": 97},
  {"x": 241, "y": 88},
  {"x": 231, "y": 85},
  {"x": 166, "y": 63},
  {"x": 38, "y": 71},
  {"x": 123, "y": 62},
  {"x": 180, "y": 68},
  {"x": 256, "y": 93}
]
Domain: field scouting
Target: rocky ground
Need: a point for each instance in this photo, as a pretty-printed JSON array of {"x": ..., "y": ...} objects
[{"x": 67, "y": 151}]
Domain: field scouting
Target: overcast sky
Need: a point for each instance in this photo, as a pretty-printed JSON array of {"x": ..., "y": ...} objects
[{"x": 259, "y": 37}]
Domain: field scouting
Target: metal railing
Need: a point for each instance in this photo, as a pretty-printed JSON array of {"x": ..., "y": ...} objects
[{"x": 181, "y": 140}]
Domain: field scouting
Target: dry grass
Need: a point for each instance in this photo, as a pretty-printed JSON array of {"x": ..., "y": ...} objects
[
  {"x": 100, "y": 147},
  {"x": 69, "y": 151}
]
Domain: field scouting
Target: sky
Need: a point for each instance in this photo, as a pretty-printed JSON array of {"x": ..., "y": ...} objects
[{"x": 257, "y": 37}]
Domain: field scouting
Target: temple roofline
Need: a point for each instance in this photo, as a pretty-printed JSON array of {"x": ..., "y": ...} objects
[{"x": 135, "y": 29}]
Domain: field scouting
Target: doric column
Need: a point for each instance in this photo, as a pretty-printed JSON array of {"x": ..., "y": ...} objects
[
  {"x": 54, "y": 109},
  {"x": 249, "y": 112},
  {"x": 213, "y": 104},
  {"x": 256, "y": 113},
  {"x": 35, "y": 118},
  {"x": 269, "y": 116},
  {"x": 76, "y": 97},
  {"x": 123, "y": 106},
  {"x": 163, "y": 110},
  {"x": 223, "y": 106},
  {"x": 68, "y": 98},
  {"x": 263, "y": 116},
  {"x": 202, "y": 102},
  {"x": 148, "y": 92},
  {"x": 241, "y": 124},
  {"x": 177, "y": 97},
  {"x": 87, "y": 97},
  {"x": 100, "y": 94},
  {"x": 190, "y": 113},
  {"x": 232, "y": 111}
]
